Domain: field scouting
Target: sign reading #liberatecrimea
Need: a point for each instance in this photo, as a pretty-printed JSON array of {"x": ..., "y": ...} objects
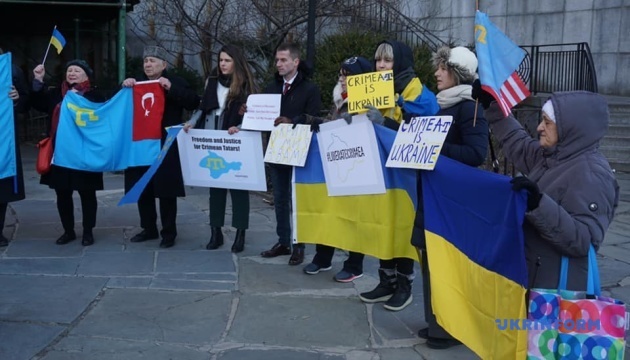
[{"x": 418, "y": 143}]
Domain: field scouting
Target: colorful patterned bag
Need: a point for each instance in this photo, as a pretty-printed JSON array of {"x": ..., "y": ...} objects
[{"x": 565, "y": 324}]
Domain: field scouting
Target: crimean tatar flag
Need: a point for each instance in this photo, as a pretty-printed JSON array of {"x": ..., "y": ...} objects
[
  {"x": 8, "y": 163},
  {"x": 499, "y": 58},
  {"x": 57, "y": 40},
  {"x": 475, "y": 249},
  {"x": 379, "y": 225},
  {"x": 98, "y": 136}
]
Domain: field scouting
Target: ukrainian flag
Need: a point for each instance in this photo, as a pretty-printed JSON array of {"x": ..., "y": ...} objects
[
  {"x": 475, "y": 247},
  {"x": 361, "y": 223},
  {"x": 57, "y": 40}
]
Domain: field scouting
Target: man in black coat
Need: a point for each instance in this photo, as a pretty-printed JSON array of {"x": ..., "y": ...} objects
[
  {"x": 300, "y": 98},
  {"x": 167, "y": 184}
]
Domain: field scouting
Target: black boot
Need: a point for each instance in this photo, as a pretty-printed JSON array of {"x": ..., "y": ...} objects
[
  {"x": 383, "y": 291},
  {"x": 216, "y": 238},
  {"x": 239, "y": 241},
  {"x": 402, "y": 296}
]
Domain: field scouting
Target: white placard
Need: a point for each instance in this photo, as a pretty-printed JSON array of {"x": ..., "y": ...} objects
[
  {"x": 288, "y": 145},
  {"x": 214, "y": 158},
  {"x": 418, "y": 144},
  {"x": 262, "y": 111},
  {"x": 350, "y": 157}
]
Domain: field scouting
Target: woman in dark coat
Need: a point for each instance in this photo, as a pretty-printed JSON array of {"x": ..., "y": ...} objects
[
  {"x": 78, "y": 77},
  {"x": 466, "y": 142},
  {"x": 226, "y": 93},
  {"x": 12, "y": 188}
]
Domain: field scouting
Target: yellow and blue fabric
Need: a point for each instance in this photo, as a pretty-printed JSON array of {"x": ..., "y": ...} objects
[
  {"x": 134, "y": 193},
  {"x": 415, "y": 99},
  {"x": 8, "y": 164},
  {"x": 98, "y": 136},
  {"x": 57, "y": 40},
  {"x": 379, "y": 225},
  {"x": 475, "y": 247}
]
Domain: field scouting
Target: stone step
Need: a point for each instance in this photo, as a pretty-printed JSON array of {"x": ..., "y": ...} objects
[
  {"x": 618, "y": 156},
  {"x": 618, "y": 130},
  {"x": 615, "y": 141},
  {"x": 619, "y": 165}
]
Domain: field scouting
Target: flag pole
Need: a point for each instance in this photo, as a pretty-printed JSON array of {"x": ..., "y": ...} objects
[
  {"x": 48, "y": 48},
  {"x": 476, "y": 100}
]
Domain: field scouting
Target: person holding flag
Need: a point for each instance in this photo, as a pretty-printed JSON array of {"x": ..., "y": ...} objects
[
  {"x": 12, "y": 188},
  {"x": 167, "y": 184},
  {"x": 78, "y": 79}
]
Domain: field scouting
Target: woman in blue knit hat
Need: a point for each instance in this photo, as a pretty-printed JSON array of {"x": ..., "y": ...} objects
[{"x": 78, "y": 77}]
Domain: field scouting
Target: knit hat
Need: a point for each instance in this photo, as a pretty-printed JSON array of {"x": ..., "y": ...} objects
[
  {"x": 356, "y": 65},
  {"x": 548, "y": 110},
  {"x": 155, "y": 51},
  {"x": 461, "y": 61},
  {"x": 83, "y": 65}
]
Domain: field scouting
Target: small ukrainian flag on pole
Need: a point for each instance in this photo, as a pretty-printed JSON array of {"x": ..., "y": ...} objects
[{"x": 57, "y": 40}]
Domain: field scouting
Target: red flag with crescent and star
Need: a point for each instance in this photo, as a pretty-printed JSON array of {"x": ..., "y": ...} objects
[{"x": 148, "y": 109}]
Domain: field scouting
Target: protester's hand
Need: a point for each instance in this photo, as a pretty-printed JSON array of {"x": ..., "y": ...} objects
[
  {"x": 233, "y": 130},
  {"x": 165, "y": 83},
  {"x": 14, "y": 94},
  {"x": 282, "y": 120},
  {"x": 375, "y": 115},
  {"x": 315, "y": 125},
  {"x": 533, "y": 192},
  {"x": 347, "y": 117},
  {"x": 129, "y": 82},
  {"x": 39, "y": 72},
  {"x": 187, "y": 127},
  {"x": 242, "y": 110},
  {"x": 481, "y": 95}
]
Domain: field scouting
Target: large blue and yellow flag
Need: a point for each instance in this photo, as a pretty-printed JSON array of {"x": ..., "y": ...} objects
[
  {"x": 98, "y": 136},
  {"x": 475, "y": 247},
  {"x": 7, "y": 126},
  {"x": 361, "y": 223}
]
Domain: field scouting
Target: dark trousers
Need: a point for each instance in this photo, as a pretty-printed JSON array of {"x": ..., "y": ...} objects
[
  {"x": 65, "y": 207},
  {"x": 435, "y": 330},
  {"x": 148, "y": 213},
  {"x": 324, "y": 254},
  {"x": 3, "y": 215},
  {"x": 240, "y": 208},
  {"x": 401, "y": 265},
  {"x": 281, "y": 183}
]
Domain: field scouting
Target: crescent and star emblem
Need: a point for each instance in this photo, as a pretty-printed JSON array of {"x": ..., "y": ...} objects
[{"x": 148, "y": 96}]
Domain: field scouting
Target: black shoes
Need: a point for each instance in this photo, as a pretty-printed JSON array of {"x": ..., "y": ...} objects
[
  {"x": 297, "y": 256},
  {"x": 88, "y": 239},
  {"x": 66, "y": 238},
  {"x": 167, "y": 242},
  {"x": 276, "y": 250},
  {"x": 441, "y": 344},
  {"x": 145, "y": 235},
  {"x": 3, "y": 241},
  {"x": 383, "y": 291},
  {"x": 239, "y": 241},
  {"x": 216, "y": 238},
  {"x": 402, "y": 295}
]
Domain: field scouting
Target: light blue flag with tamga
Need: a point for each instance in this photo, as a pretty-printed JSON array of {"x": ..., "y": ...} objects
[{"x": 7, "y": 126}]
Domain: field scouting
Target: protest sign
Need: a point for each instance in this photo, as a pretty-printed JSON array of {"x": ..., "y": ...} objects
[
  {"x": 375, "y": 89},
  {"x": 262, "y": 111},
  {"x": 288, "y": 145}
]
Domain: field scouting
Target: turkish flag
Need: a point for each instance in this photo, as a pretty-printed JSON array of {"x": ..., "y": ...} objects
[{"x": 148, "y": 108}]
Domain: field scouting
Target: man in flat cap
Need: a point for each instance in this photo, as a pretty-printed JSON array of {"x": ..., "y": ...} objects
[{"x": 167, "y": 183}]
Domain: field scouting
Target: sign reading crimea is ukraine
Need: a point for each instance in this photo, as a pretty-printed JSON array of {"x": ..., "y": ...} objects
[
  {"x": 418, "y": 144},
  {"x": 375, "y": 89},
  {"x": 214, "y": 158}
]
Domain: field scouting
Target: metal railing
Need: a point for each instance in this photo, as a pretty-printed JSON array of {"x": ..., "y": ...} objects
[{"x": 558, "y": 67}]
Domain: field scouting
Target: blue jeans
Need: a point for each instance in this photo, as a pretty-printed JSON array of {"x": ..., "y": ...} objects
[{"x": 281, "y": 183}]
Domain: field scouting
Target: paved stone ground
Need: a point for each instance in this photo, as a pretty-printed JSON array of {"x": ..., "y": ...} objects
[{"x": 122, "y": 300}]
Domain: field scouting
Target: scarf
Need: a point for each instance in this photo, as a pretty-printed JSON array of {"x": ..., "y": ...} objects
[
  {"x": 210, "y": 101},
  {"x": 403, "y": 78},
  {"x": 454, "y": 95},
  {"x": 80, "y": 88}
]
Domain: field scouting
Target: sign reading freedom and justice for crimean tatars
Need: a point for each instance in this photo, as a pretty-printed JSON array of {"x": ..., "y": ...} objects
[
  {"x": 418, "y": 143},
  {"x": 375, "y": 89},
  {"x": 221, "y": 144}
]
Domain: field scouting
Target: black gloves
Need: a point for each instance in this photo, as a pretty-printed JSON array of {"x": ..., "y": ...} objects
[
  {"x": 315, "y": 122},
  {"x": 533, "y": 192},
  {"x": 481, "y": 95}
]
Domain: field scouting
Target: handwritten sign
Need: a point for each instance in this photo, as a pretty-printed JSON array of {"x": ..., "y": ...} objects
[
  {"x": 375, "y": 89},
  {"x": 262, "y": 111},
  {"x": 418, "y": 144},
  {"x": 350, "y": 157},
  {"x": 214, "y": 158},
  {"x": 289, "y": 146}
]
